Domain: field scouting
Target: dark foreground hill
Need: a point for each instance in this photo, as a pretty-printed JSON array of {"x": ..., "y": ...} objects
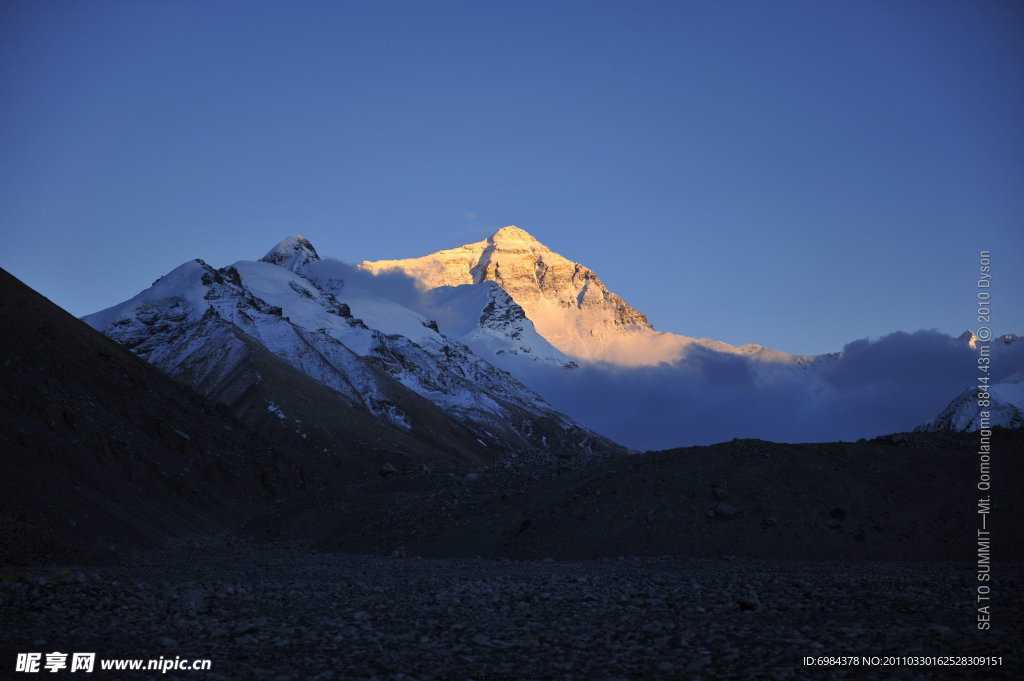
[
  {"x": 101, "y": 452},
  {"x": 904, "y": 497}
]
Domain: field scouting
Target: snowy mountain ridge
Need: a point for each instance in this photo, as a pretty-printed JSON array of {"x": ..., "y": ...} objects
[
  {"x": 963, "y": 414},
  {"x": 495, "y": 326},
  {"x": 460, "y": 348},
  {"x": 197, "y": 322}
]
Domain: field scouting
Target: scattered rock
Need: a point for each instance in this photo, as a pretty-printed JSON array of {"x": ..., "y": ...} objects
[
  {"x": 727, "y": 511},
  {"x": 940, "y": 630},
  {"x": 295, "y": 614}
]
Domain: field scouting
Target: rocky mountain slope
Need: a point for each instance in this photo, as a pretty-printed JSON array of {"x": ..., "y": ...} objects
[
  {"x": 747, "y": 498},
  {"x": 101, "y": 452}
]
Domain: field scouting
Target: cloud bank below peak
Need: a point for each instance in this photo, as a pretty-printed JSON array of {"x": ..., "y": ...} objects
[{"x": 873, "y": 387}]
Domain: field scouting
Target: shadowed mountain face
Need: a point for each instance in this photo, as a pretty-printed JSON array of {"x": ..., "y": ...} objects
[{"x": 101, "y": 451}]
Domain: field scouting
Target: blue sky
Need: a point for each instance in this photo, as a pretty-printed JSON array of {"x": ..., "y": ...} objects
[{"x": 796, "y": 174}]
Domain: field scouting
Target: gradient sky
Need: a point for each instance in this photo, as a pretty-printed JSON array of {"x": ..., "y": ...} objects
[{"x": 796, "y": 174}]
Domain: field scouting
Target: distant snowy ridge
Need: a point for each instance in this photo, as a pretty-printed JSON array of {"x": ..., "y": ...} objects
[
  {"x": 1006, "y": 398},
  {"x": 1005, "y": 409}
]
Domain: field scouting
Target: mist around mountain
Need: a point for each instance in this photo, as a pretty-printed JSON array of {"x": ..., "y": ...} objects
[
  {"x": 652, "y": 390},
  {"x": 870, "y": 387},
  {"x": 873, "y": 387}
]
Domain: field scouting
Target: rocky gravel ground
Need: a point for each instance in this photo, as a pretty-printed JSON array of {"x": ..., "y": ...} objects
[{"x": 285, "y": 613}]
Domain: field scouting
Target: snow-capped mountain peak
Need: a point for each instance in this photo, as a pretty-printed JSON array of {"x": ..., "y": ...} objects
[
  {"x": 570, "y": 308},
  {"x": 292, "y": 253},
  {"x": 566, "y": 301},
  {"x": 511, "y": 234}
]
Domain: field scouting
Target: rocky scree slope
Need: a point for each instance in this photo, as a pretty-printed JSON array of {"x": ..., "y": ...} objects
[{"x": 898, "y": 497}]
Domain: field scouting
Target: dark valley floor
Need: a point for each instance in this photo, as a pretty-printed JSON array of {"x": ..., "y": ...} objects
[{"x": 285, "y": 613}]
